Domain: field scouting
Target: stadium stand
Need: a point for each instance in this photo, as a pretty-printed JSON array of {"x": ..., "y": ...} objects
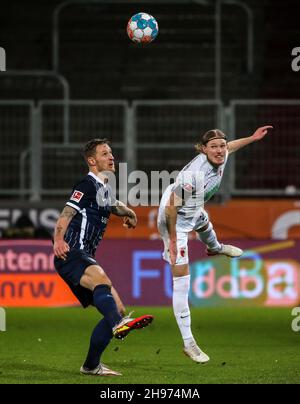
[{"x": 99, "y": 62}]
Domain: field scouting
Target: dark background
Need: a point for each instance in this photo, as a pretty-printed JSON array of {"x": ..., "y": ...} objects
[{"x": 99, "y": 61}]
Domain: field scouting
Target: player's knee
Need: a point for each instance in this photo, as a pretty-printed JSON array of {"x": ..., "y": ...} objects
[
  {"x": 208, "y": 226},
  {"x": 94, "y": 276},
  {"x": 180, "y": 270},
  {"x": 103, "y": 279}
]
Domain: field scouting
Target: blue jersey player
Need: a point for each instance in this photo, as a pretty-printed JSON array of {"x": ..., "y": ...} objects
[{"x": 78, "y": 231}]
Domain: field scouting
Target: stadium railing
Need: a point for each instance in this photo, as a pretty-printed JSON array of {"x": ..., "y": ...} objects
[
  {"x": 39, "y": 161},
  {"x": 269, "y": 167}
]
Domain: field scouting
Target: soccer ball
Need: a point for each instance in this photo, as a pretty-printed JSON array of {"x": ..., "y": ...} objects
[{"x": 142, "y": 28}]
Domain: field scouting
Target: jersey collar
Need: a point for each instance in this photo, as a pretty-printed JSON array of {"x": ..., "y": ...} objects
[{"x": 102, "y": 181}]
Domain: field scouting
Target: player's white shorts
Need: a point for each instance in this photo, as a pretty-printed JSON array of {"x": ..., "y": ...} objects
[{"x": 182, "y": 237}]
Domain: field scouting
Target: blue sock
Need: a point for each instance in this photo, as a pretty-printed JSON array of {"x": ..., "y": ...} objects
[
  {"x": 106, "y": 304},
  {"x": 100, "y": 338}
]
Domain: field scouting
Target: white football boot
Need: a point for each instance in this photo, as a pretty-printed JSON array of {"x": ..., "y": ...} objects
[
  {"x": 195, "y": 353},
  {"x": 226, "y": 249},
  {"x": 100, "y": 370}
]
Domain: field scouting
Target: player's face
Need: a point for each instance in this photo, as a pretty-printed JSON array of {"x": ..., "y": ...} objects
[
  {"x": 215, "y": 151},
  {"x": 104, "y": 159}
]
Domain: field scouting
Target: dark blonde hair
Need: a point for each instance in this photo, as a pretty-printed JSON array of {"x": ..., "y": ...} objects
[
  {"x": 89, "y": 149},
  {"x": 209, "y": 135}
]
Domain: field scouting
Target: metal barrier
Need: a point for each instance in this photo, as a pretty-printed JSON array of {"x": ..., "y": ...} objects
[
  {"x": 137, "y": 132},
  {"x": 170, "y": 128},
  {"x": 270, "y": 167},
  {"x": 216, "y": 25},
  {"x": 37, "y": 161},
  {"x": 62, "y": 162},
  {"x": 17, "y": 136}
]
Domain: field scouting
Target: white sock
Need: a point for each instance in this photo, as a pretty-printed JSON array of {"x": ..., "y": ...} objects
[
  {"x": 181, "y": 286},
  {"x": 209, "y": 238}
]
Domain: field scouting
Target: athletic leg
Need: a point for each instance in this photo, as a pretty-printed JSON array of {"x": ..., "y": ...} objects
[
  {"x": 208, "y": 236},
  {"x": 181, "y": 286},
  {"x": 95, "y": 279},
  {"x": 100, "y": 338}
]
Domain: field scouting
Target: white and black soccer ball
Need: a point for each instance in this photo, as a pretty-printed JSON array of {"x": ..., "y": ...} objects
[{"x": 142, "y": 28}]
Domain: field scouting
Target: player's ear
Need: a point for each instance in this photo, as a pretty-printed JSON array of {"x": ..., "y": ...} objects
[{"x": 91, "y": 161}]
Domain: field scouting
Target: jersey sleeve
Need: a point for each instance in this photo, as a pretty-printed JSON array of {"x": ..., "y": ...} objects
[{"x": 81, "y": 195}]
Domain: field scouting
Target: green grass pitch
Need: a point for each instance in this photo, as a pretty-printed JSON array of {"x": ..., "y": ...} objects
[{"x": 246, "y": 345}]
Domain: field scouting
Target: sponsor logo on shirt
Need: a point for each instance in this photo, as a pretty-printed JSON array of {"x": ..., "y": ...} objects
[{"x": 77, "y": 195}]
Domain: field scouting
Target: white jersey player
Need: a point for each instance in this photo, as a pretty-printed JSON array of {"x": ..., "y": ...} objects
[{"x": 181, "y": 211}]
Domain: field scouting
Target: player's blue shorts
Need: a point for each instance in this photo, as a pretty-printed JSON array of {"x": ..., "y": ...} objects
[{"x": 72, "y": 269}]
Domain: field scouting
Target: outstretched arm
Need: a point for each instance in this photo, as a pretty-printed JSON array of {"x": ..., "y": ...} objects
[{"x": 237, "y": 144}]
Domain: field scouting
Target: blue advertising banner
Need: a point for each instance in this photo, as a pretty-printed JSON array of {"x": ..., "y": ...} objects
[{"x": 268, "y": 274}]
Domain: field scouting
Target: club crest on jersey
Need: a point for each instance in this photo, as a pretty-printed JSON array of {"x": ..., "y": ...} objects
[
  {"x": 77, "y": 195},
  {"x": 188, "y": 187},
  {"x": 182, "y": 252}
]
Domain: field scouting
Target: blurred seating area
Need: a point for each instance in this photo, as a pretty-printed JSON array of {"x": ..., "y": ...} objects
[{"x": 98, "y": 62}]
